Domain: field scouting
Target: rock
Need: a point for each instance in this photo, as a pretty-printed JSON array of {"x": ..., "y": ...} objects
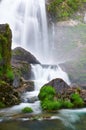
[
  {"x": 58, "y": 84},
  {"x": 5, "y": 48},
  {"x": 20, "y": 54},
  {"x": 30, "y": 99},
  {"x": 70, "y": 23},
  {"x": 25, "y": 85},
  {"x": 21, "y": 69},
  {"x": 8, "y": 95},
  {"x": 21, "y": 60},
  {"x": 16, "y": 81}
]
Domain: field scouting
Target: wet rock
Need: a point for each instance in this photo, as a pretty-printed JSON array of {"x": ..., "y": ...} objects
[
  {"x": 16, "y": 81},
  {"x": 25, "y": 85},
  {"x": 31, "y": 99},
  {"x": 58, "y": 84},
  {"x": 21, "y": 69},
  {"x": 5, "y": 49},
  {"x": 20, "y": 54}
]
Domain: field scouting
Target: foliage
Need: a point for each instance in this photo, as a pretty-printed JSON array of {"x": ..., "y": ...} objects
[
  {"x": 46, "y": 92},
  {"x": 27, "y": 110},
  {"x": 50, "y": 105},
  {"x": 51, "y": 102},
  {"x": 0, "y": 57},
  {"x": 63, "y": 8},
  {"x": 10, "y": 74},
  {"x": 5, "y": 51},
  {"x": 77, "y": 100},
  {"x": 68, "y": 104},
  {"x": 2, "y": 105}
]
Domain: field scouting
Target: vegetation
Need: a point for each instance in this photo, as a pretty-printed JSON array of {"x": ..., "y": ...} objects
[
  {"x": 27, "y": 110},
  {"x": 5, "y": 52},
  {"x": 2, "y": 105},
  {"x": 50, "y": 101},
  {"x": 47, "y": 92},
  {"x": 50, "y": 105},
  {"x": 62, "y": 9},
  {"x": 10, "y": 74},
  {"x": 77, "y": 100}
]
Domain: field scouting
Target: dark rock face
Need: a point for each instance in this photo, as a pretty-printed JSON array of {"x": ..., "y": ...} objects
[
  {"x": 21, "y": 60},
  {"x": 8, "y": 95},
  {"x": 58, "y": 84},
  {"x": 25, "y": 85},
  {"x": 21, "y": 69},
  {"x": 20, "y": 54}
]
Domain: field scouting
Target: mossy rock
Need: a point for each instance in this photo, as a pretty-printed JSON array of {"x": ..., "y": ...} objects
[
  {"x": 69, "y": 98},
  {"x": 5, "y": 49},
  {"x": 63, "y": 9},
  {"x": 8, "y": 95}
]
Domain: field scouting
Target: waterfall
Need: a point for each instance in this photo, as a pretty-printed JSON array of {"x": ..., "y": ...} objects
[{"x": 27, "y": 19}]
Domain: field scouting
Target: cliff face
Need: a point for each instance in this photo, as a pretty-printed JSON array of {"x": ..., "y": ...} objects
[
  {"x": 5, "y": 48},
  {"x": 8, "y": 96},
  {"x": 59, "y": 10}
]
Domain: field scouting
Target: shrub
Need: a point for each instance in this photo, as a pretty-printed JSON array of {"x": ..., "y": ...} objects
[
  {"x": 50, "y": 105},
  {"x": 27, "y": 110},
  {"x": 68, "y": 104},
  {"x": 47, "y": 92},
  {"x": 77, "y": 100}
]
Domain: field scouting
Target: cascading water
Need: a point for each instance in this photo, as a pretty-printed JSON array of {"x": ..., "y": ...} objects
[{"x": 27, "y": 19}]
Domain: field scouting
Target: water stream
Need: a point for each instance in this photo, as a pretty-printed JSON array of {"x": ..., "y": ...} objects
[{"x": 28, "y": 21}]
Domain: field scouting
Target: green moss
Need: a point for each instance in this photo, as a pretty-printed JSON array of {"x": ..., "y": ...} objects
[
  {"x": 50, "y": 101},
  {"x": 62, "y": 9},
  {"x": 50, "y": 105},
  {"x": 10, "y": 74},
  {"x": 27, "y": 110},
  {"x": 67, "y": 104},
  {"x": 77, "y": 100},
  {"x": 5, "y": 49},
  {"x": 47, "y": 92},
  {"x": 2, "y": 105}
]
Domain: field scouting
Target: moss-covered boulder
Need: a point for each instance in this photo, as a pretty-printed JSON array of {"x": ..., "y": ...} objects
[
  {"x": 58, "y": 84},
  {"x": 8, "y": 96},
  {"x": 52, "y": 99}
]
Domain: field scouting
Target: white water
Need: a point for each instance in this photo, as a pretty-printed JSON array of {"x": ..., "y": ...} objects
[
  {"x": 27, "y": 19},
  {"x": 42, "y": 74}
]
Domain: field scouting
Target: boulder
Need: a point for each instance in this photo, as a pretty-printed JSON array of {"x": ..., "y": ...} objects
[
  {"x": 59, "y": 85},
  {"x": 20, "y": 54}
]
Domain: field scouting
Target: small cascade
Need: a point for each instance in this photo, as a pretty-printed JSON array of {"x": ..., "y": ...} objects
[
  {"x": 45, "y": 73},
  {"x": 42, "y": 74}
]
